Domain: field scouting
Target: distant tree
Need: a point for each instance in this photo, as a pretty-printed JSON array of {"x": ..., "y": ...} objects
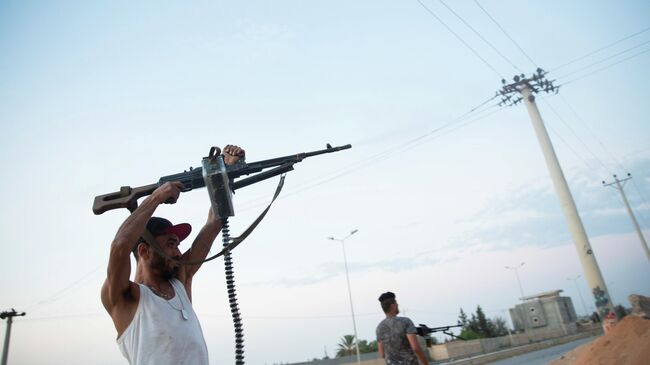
[
  {"x": 479, "y": 326},
  {"x": 470, "y": 334},
  {"x": 473, "y": 324},
  {"x": 484, "y": 327},
  {"x": 500, "y": 326},
  {"x": 462, "y": 318},
  {"x": 347, "y": 347},
  {"x": 366, "y": 347}
]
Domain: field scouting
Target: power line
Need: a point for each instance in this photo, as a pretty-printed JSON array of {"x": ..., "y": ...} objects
[
  {"x": 480, "y": 36},
  {"x": 604, "y": 68},
  {"x": 358, "y": 165},
  {"x": 611, "y": 155},
  {"x": 602, "y": 145},
  {"x": 459, "y": 38},
  {"x": 383, "y": 154},
  {"x": 62, "y": 292},
  {"x": 645, "y": 202},
  {"x": 600, "y": 49},
  {"x": 66, "y": 316},
  {"x": 643, "y": 218},
  {"x": 506, "y": 33},
  {"x": 576, "y": 135},
  {"x": 606, "y": 58},
  {"x": 569, "y": 146}
]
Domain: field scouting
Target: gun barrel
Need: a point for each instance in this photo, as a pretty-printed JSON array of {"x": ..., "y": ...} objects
[{"x": 247, "y": 169}]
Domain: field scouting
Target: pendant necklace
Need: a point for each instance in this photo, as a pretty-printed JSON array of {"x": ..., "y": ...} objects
[
  {"x": 182, "y": 309},
  {"x": 184, "y": 313}
]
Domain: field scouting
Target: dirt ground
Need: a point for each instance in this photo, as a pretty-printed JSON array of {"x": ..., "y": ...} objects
[{"x": 628, "y": 343}]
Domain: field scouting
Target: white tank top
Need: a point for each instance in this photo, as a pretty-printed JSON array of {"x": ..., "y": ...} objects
[{"x": 164, "y": 331}]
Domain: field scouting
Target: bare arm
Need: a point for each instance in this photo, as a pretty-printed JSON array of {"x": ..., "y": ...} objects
[
  {"x": 200, "y": 249},
  {"x": 118, "y": 290},
  {"x": 415, "y": 346},
  {"x": 380, "y": 348}
]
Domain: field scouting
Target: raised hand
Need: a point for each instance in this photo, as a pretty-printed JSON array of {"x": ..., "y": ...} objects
[{"x": 232, "y": 154}]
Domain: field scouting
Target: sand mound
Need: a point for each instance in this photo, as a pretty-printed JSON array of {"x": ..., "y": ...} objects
[{"x": 628, "y": 343}]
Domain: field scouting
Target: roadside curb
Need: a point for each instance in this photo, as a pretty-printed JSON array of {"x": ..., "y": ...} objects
[{"x": 519, "y": 350}]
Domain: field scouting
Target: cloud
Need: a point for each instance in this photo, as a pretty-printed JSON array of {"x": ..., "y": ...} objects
[
  {"x": 620, "y": 211},
  {"x": 531, "y": 214}
]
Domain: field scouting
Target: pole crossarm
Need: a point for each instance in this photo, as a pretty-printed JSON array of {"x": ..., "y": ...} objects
[
  {"x": 617, "y": 181},
  {"x": 536, "y": 83},
  {"x": 12, "y": 313}
]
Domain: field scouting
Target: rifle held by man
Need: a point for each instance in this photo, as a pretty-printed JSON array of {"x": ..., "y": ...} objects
[{"x": 128, "y": 197}]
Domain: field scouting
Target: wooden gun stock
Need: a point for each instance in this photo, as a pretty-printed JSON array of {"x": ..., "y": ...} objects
[{"x": 127, "y": 198}]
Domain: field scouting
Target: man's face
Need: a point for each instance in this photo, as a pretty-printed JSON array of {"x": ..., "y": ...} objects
[
  {"x": 396, "y": 308},
  {"x": 165, "y": 267}
]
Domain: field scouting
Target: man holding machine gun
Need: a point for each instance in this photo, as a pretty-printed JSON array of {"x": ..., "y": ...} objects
[
  {"x": 396, "y": 336},
  {"x": 153, "y": 314}
]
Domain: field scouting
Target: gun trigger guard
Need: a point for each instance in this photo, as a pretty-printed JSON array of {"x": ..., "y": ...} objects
[{"x": 214, "y": 152}]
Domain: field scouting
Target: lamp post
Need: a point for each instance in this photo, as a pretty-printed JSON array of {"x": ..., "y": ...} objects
[
  {"x": 347, "y": 277},
  {"x": 521, "y": 291},
  {"x": 580, "y": 295}
]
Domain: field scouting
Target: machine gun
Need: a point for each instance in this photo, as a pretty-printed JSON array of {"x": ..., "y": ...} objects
[
  {"x": 128, "y": 197},
  {"x": 424, "y": 331},
  {"x": 219, "y": 178}
]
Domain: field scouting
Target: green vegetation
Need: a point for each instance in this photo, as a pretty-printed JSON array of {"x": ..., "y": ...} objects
[
  {"x": 346, "y": 346},
  {"x": 479, "y": 326}
]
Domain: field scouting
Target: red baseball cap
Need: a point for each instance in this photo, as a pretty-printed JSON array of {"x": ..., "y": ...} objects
[{"x": 159, "y": 226}]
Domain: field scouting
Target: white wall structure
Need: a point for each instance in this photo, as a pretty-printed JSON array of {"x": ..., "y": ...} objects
[{"x": 544, "y": 310}]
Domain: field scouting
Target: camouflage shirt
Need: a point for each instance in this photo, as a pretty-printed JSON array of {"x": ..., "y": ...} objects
[{"x": 391, "y": 332}]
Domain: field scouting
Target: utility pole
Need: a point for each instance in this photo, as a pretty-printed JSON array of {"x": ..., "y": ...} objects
[
  {"x": 526, "y": 88},
  {"x": 618, "y": 186},
  {"x": 9, "y": 316}
]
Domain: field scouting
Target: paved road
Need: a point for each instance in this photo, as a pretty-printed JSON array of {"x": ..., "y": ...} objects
[{"x": 545, "y": 356}]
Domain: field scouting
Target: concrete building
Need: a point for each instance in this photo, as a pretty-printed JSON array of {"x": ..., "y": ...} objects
[{"x": 544, "y": 311}]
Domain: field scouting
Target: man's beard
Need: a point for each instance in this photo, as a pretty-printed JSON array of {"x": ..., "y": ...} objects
[{"x": 162, "y": 265}]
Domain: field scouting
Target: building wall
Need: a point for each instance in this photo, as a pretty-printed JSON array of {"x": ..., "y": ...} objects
[
  {"x": 460, "y": 349},
  {"x": 545, "y": 312}
]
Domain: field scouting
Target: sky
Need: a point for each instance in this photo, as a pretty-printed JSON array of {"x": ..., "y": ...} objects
[{"x": 444, "y": 187}]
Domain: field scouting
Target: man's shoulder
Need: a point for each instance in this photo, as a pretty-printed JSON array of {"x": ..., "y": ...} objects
[
  {"x": 404, "y": 319},
  {"x": 397, "y": 319}
]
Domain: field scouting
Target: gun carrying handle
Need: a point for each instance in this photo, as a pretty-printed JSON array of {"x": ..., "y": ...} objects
[{"x": 127, "y": 197}]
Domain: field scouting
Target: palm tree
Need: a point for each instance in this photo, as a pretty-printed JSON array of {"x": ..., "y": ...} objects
[{"x": 347, "y": 346}]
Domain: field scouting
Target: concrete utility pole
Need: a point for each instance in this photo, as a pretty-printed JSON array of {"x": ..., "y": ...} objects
[
  {"x": 9, "y": 316},
  {"x": 347, "y": 276},
  {"x": 521, "y": 290},
  {"x": 618, "y": 186},
  {"x": 526, "y": 87}
]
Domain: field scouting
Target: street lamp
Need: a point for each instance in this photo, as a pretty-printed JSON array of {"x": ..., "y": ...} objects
[
  {"x": 517, "y": 275},
  {"x": 347, "y": 276},
  {"x": 579, "y": 294}
]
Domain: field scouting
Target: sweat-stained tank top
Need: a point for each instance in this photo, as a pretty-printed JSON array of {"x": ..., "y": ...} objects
[{"x": 159, "y": 334}]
